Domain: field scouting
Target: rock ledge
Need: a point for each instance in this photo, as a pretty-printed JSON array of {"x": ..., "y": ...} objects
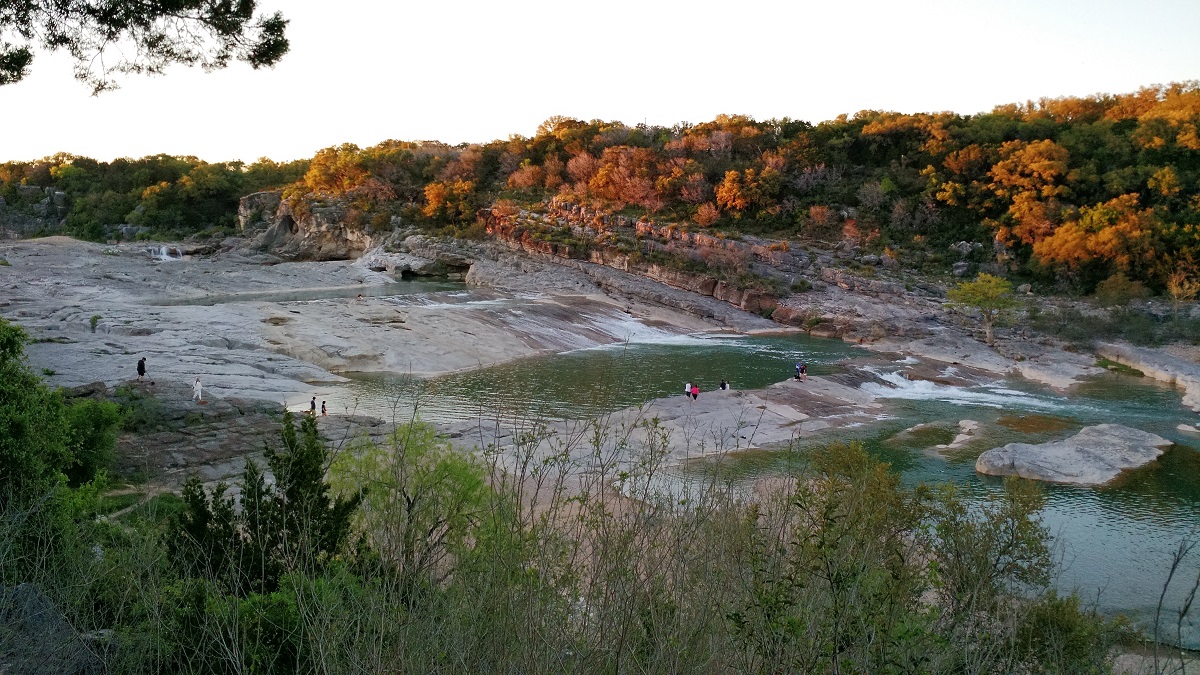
[{"x": 1094, "y": 456}]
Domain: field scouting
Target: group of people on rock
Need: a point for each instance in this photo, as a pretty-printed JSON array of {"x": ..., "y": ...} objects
[
  {"x": 312, "y": 408},
  {"x": 691, "y": 389},
  {"x": 197, "y": 388}
]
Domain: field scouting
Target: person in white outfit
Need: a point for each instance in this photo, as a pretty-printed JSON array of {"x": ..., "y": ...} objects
[{"x": 196, "y": 396}]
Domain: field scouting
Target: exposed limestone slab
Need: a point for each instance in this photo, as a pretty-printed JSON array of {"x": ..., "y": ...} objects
[
  {"x": 1161, "y": 366},
  {"x": 1093, "y": 456},
  {"x": 1052, "y": 367}
]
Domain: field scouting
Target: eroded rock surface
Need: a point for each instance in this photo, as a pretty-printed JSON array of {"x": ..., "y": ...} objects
[
  {"x": 1094, "y": 456},
  {"x": 1159, "y": 365}
]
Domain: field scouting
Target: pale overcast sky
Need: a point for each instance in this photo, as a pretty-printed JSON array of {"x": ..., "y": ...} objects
[{"x": 458, "y": 71}]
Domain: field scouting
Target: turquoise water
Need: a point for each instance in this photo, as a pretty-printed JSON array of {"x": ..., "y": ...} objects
[
  {"x": 1114, "y": 542},
  {"x": 590, "y": 382}
]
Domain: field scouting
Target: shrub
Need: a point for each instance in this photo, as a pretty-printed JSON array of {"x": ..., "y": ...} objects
[
  {"x": 1118, "y": 290},
  {"x": 93, "y": 426}
]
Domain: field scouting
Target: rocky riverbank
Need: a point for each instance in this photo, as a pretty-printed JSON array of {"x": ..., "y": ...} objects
[
  {"x": 1159, "y": 365},
  {"x": 255, "y": 328},
  {"x": 679, "y": 429}
]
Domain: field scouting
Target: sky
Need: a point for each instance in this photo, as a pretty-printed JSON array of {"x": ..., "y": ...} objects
[{"x": 364, "y": 71}]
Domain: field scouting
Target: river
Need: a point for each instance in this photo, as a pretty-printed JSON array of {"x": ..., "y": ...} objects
[{"x": 1114, "y": 543}]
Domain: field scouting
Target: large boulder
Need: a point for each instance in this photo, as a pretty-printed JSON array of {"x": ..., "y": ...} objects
[
  {"x": 1093, "y": 456},
  {"x": 257, "y": 211},
  {"x": 307, "y": 232}
]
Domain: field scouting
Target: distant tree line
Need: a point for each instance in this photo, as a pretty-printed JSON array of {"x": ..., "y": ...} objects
[
  {"x": 169, "y": 196},
  {"x": 1067, "y": 191}
]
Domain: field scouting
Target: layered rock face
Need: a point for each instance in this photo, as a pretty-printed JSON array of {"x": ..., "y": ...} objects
[
  {"x": 1094, "y": 456},
  {"x": 720, "y": 268},
  {"x": 313, "y": 233},
  {"x": 44, "y": 211},
  {"x": 573, "y": 232}
]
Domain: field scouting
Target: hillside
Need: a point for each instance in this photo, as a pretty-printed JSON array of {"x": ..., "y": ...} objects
[{"x": 1061, "y": 193}]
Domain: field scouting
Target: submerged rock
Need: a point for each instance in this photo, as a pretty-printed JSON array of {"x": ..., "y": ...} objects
[{"x": 1093, "y": 456}]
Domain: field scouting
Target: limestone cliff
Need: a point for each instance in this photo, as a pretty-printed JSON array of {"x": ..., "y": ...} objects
[{"x": 310, "y": 232}]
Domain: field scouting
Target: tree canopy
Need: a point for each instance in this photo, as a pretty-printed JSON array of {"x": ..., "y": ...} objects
[
  {"x": 1063, "y": 193},
  {"x": 988, "y": 294},
  {"x": 105, "y": 37}
]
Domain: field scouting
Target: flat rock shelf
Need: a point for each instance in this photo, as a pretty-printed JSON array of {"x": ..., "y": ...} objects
[{"x": 1094, "y": 456}]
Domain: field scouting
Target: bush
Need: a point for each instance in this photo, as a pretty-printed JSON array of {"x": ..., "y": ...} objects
[
  {"x": 93, "y": 427},
  {"x": 1118, "y": 290}
]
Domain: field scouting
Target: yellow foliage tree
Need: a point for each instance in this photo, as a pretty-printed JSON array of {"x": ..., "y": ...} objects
[
  {"x": 1117, "y": 231},
  {"x": 1031, "y": 176}
]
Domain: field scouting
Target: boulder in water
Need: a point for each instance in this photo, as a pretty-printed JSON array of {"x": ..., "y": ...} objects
[{"x": 1093, "y": 456}]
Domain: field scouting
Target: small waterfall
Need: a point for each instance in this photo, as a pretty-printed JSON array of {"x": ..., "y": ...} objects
[
  {"x": 164, "y": 252},
  {"x": 895, "y": 385}
]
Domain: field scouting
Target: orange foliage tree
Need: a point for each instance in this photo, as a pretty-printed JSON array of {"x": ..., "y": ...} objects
[
  {"x": 1117, "y": 231},
  {"x": 1031, "y": 176}
]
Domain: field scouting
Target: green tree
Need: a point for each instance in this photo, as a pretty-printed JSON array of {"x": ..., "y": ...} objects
[
  {"x": 292, "y": 525},
  {"x": 990, "y": 295},
  {"x": 421, "y": 500},
  {"x": 93, "y": 426},
  {"x": 137, "y": 37},
  {"x": 35, "y": 437}
]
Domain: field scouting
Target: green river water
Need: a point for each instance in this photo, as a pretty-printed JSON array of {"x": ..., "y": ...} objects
[{"x": 1114, "y": 542}]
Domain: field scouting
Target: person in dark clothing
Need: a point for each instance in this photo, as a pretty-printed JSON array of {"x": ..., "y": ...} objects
[
  {"x": 312, "y": 407},
  {"x": 323, "y": 413},
  {"x": 141, "y": 368},
  {"x": 724, "y": 385}
]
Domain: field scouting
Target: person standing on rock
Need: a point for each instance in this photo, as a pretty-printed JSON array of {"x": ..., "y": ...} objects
[
  {"x": 196, "y": 392},
  {"x": 323, "y": 413},
  {"x": 312, "y": 407},
  {"x": 803, "y": 373},
  {"x": 141, "y": 368},
  {"x": 687, "y": 390},
  {"x": 695, "y": 391}
]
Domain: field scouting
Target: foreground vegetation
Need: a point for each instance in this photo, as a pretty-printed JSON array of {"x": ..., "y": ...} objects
[{"x": 557, "y": 555}]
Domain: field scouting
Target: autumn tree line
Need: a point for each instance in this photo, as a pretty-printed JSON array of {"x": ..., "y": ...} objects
[{"x": 1065, "y": 192}]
